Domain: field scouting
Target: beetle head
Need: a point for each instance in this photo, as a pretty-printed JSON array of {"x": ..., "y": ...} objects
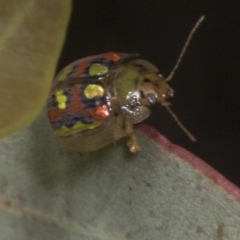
[{"x": 154, "y": 89}]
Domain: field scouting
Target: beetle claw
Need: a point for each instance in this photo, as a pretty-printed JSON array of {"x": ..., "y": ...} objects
[{"x": 133, "y": 144}]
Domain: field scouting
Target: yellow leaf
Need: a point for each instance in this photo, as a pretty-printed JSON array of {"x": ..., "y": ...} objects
[{"x": 31, "y": 38}]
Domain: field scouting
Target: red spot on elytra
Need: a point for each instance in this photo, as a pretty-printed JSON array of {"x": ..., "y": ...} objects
[
  {"x": 103, "y": 111},
  {"x": 76, "y": 107},
  {"x": 112, "y": 56},
  {"x": 81, "y": 67}
]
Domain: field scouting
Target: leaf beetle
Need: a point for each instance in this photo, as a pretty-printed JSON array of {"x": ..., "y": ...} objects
[{"x": 97, "y": 100}]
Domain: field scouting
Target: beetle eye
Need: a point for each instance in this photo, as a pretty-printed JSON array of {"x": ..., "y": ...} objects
[{"x": 152, "y": 98}]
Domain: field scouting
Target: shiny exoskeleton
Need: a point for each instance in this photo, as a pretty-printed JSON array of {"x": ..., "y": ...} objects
[{"x": 97, "y": 100}]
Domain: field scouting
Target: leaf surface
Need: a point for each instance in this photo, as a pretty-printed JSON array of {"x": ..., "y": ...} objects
[
  {"x": 164, "y": 192},
  {"x": 31, "y": 37}
]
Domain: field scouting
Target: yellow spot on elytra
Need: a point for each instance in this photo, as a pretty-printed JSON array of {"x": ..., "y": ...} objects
[
  {"x": 65, "y": 72},
  {"x": 97, "y": 69},
  {"x": 77, "y": 128},
  {"x": 62, "y": 105},
  {"x": 61, "y": 99},
  {"x": 93, "y": 90}
]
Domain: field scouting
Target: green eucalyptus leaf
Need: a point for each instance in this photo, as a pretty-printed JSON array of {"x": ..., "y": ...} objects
[
  {"x": 164, "y": 192},
  {"x": 31, "y": 37}
]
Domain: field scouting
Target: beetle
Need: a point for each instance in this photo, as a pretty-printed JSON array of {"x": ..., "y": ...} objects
[{"x": 97, "y": 100}]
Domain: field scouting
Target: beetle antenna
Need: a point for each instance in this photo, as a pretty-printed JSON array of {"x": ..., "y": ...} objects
[
  {"x": 180, "y": 124},
  {"x": 185, "y": 47}
]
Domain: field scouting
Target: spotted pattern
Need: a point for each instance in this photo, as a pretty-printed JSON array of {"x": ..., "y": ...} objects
[
  {"x": 89, "y": 67},
  {"x": 77, "y": 108}
]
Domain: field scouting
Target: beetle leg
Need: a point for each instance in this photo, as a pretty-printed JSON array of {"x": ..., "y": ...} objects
[{"x": 132, "y": 142}]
